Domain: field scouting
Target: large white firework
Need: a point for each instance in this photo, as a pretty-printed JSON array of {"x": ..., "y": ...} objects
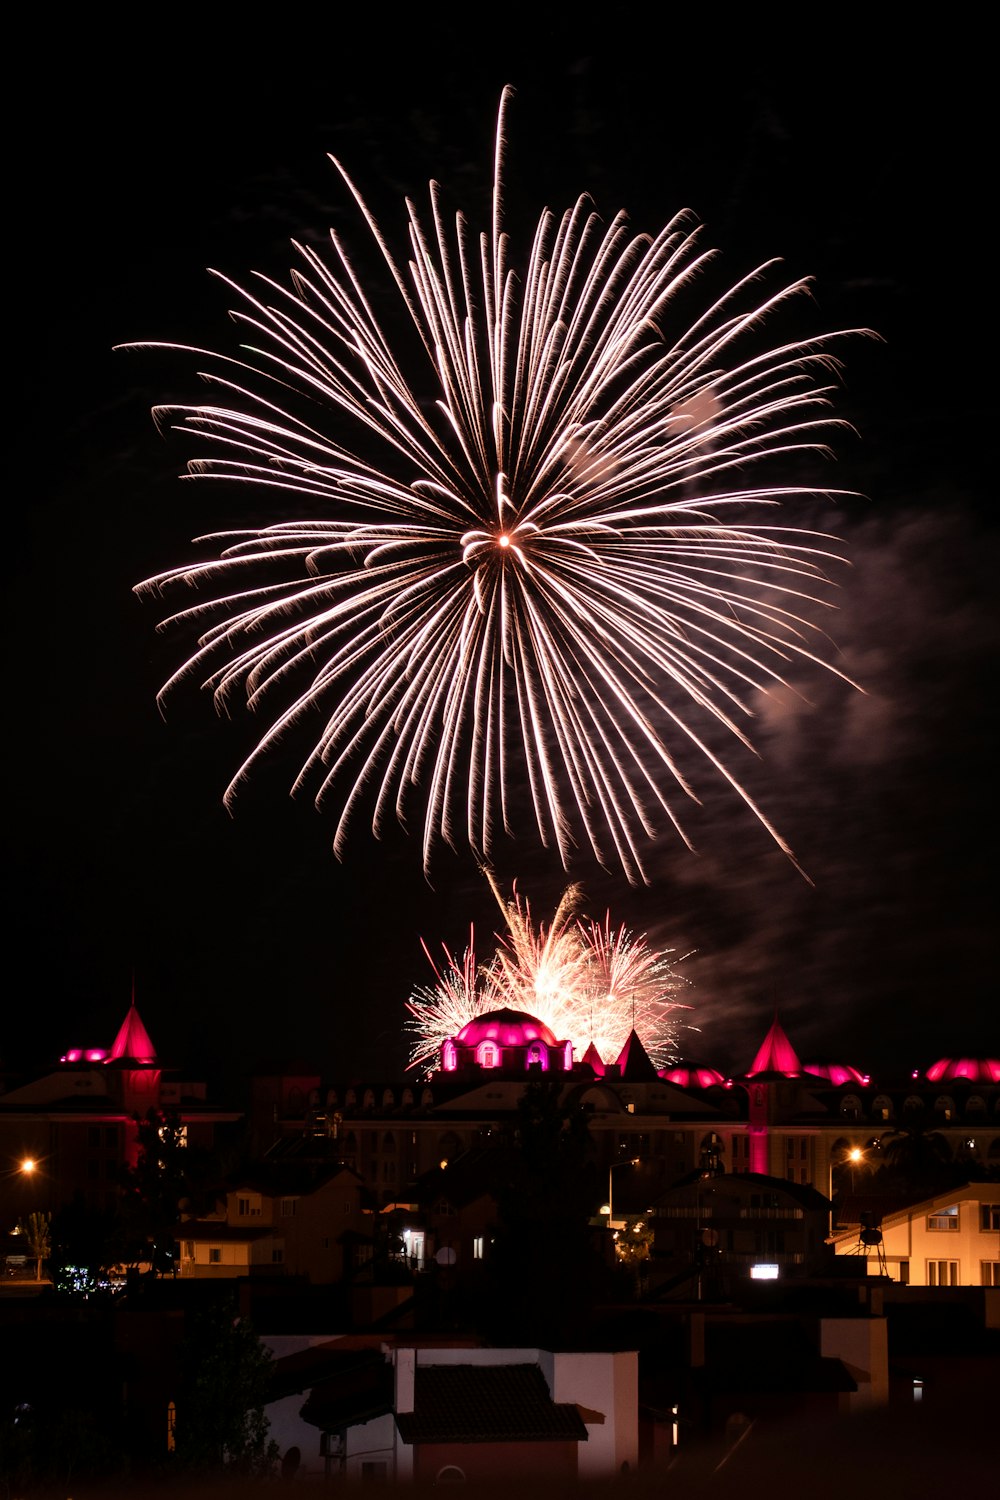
[
  {"x": 588, "y": 982},
  {"x": 526, "y": 577}
]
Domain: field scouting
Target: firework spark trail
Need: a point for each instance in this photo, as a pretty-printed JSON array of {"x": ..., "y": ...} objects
[
  {"x": 546, "y": 577},
  {"x": 586, "y": 981}
]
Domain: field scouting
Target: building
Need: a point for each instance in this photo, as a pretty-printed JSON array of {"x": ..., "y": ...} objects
[
  {"x": 819, "y": 1126},
  {"x": 952, "y": 1239},
  {"x": 68, "y": 1133}
]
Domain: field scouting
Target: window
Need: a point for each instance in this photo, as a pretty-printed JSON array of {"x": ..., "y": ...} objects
[
  {"x": 189, "y": 1249},
  {"x": 277, "y": 1256},
  {"x": 989, "y": 1273},
  {"x": 945, "y": 1218},
  {"x": 243, "y": 1207},
  {"x": 989, "y": 1216},
  {"x": 477, "y": 1248},
  {"x": 487, "y": 1055},
  {"x": 942, "y": 1273},
  {"x": 288, "y": 1207},
  {"x": 214, "y": 1256}
]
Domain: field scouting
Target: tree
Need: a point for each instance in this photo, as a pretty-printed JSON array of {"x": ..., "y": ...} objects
[
  {"x": 225, "y": 1381},
  {"x": 543, "y": 1264},
  {"x": 918, "y": 1157},
  {"x": 36, "y": 1229}
]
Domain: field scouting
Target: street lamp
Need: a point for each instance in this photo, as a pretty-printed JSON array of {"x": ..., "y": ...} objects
[{"x": 607, "y": 1207}]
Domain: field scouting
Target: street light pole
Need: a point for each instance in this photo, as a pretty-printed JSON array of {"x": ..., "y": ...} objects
[{"x": 632, "y": 1162}]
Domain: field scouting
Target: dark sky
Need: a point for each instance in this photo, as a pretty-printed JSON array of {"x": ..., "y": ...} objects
[{"x": 859, "y": 159}]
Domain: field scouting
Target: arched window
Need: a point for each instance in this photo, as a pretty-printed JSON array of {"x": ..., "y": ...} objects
[
  {"x": 850, "y": 1107},
  {"x": 450, "y": 1474},
  {"x": 388, "y": 1141},
  {"x": 975, "y": 1107},
  {"x": 882, "y": 1107},
  {"x": 487, "y": 1055},
  {"x": 944, "y": 1105},
  {"x": 449, "y": 1056},
  {"x": 538, "y": 1056},
  {"x": 369, "y": 1099},
  {"x": 426, "y": 1099},
  {"x": 388, "y": 1099}
]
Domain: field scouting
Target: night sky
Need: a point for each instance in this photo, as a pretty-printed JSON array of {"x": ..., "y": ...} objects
[{"x": 860, "y": 160}]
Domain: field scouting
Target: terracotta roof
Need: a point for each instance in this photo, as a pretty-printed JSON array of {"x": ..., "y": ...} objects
[{"x": 487, "y": 1404}]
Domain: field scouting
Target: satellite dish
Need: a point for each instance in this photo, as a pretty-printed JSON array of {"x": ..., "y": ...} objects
[{"x": 446, "y": 1256}]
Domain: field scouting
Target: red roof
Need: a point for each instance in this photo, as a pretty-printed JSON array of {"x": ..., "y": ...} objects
[
  {"x": 132, "y": 1041},
  {"x": 965, "y": 1070},
  {"x": 776, "y": 1055},
  {"x": 511, "y": 1028}
]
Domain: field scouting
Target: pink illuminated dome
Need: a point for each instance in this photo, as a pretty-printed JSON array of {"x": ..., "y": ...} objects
[
  {"x": 836, "y": 1073},
  {"x": 965, "y": 1070},
  {"x": 509, "y": 1028},
  {"x": 693, "y": 1078}
]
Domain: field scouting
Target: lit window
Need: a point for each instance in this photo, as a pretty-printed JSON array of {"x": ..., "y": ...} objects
[
  {"x": 945, "y": 1218},
  {"x": 477, "y": 1247},
  {"x": 486, "y": 1055}
]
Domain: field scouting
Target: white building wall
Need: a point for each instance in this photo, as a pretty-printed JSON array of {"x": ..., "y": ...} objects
[
  {"x": 608, "y": 1384},
  {"x": 862, "y": 1345}
]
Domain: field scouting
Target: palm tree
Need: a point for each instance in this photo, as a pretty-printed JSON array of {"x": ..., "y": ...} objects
[
  {"x": 35, "y": 1229},
  {"x": 918, "y": 1153}
]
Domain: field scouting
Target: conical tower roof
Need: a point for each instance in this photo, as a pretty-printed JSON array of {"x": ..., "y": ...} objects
[
  {"x": 634, "y": 1065},
  {"x": 776, "y": 1054},
  {"x": 594, "y": 1058},
  {"x": 132, "y": 1041}
]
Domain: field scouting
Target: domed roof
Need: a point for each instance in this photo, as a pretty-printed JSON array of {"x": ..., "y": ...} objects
[
  {"x": 836, "y": 1073},
  {"x": 511, "y": 1028},
  {"x": 693, "y": 1078},
  {"x": 964, "y": 1070}
]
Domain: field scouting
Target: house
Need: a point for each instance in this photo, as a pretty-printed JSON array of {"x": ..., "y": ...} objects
[
  {"x": 293, "y": 1220},
  {"x": 952, "y": 1239},
  {"x": 451, "y": 1412},
  {"x": 716, "y": 1230}
]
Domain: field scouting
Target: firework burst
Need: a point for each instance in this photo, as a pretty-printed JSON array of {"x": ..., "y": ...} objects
[
  {"x": 528, "y": 578},
  {"x": 589, "y": 983}
]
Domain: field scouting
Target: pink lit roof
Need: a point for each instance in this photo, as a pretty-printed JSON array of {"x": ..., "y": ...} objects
[
  {"x": 835, "y": 1073},
  {"x": 510, "y": 1028},
  {"x": 776, "y": 1055},
  {"x": 693, "y": 1078},
  {"x": 133, "y": 1040},
  {"x": 965, "y": 1070},
  {"x": 594, "y": 1058}
]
